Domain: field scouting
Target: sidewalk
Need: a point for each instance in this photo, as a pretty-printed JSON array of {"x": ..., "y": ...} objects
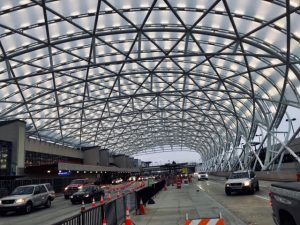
[{"x": 172, "y": 205}]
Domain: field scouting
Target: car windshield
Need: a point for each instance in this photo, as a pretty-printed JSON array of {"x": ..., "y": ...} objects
[
  {"x": 239, "y": 175},
  {"x": 23, "y": 190},
  {"x": 49, "y": 187},
  {"x": 87, "y": 189},
  {"x": 77, "y": 181}
]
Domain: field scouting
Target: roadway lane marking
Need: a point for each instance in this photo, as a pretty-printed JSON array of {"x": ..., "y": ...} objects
[
  {"x": 202, "y": 189},
  {"x": 262, "y": 197}
]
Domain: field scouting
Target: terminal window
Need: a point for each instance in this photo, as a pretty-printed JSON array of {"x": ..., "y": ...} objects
[{"x": 5, "y": 158}]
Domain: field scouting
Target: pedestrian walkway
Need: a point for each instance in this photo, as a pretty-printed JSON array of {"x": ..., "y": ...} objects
[{"x": 171, "y": 206}]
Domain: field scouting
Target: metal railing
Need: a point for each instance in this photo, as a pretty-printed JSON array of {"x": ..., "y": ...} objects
[{"x": 114, "y": 211}]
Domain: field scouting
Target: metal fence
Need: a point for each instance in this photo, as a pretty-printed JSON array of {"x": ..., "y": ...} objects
[{"x": 114, "y": 211}]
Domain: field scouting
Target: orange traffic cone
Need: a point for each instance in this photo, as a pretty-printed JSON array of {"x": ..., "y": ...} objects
[
  {"x": 109, "y": 197},
  {"x": 128, "y": 219},
  {"x": 165, "y": 188},
  {"x": 82, "y": 209},
  {"x": 104, "y": 222},
  {"x": 141, "y": 208},
  {"x": 102, "y": 200},
  {"x": 94, "y": 203}
]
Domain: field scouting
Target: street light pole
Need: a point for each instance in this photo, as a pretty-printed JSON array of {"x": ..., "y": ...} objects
[
  {"x": 258, "y": 135},
  {"x": 293, "y": 119}
]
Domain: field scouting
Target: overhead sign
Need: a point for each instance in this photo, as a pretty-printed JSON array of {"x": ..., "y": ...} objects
[{"x": 64, "y": 173}]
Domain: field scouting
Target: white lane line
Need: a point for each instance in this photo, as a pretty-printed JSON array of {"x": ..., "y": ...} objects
[
  {"x": 201, "y": 188},
  {"x": 262, "y": 197},
  {"x": 214, "y": 182}
]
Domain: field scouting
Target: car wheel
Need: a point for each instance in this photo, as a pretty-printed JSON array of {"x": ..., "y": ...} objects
[
  {"x": 287, "y": 220},
  {"x": 252, "y": 190},
  {"x": 257, "y": 187},
  {"x": 66, "y": 197},
  {"x": 228, "y": 192},
  {"x": 28, "y": 208},
  {"x": 73, "y": 203},
  {"x": 2, "y": 213},
  {"x": 48, "y": 203}
]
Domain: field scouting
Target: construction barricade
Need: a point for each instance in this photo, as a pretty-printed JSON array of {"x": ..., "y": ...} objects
[
  {"x": 205, "y": 221},
  {"x": 114, "y": 210}
]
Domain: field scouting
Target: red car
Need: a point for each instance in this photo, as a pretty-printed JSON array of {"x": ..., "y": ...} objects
[{"x": 74, "y": 186}]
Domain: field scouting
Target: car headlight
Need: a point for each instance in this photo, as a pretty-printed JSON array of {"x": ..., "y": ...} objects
[
  {"x": 227, "y": 185},
  {"x": 66, "y": 188},
  {"x": 87, "y": 195},
  {"x": 0, "y": 202},
  {"x": 247, "y": 183},
  {"x": 20, "y": 201},
  {"x": 71, "y": 196},
  {"x": 80, "y": 187}
]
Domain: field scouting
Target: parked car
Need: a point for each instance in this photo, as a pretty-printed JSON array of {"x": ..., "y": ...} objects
[
  {"x": 243, "y": 180},
  {"x": 285, "y": 202},
  {"x": 142, "y": 178},
  {"x": 202, "y": 176},
  {"x": 74, "y": 186},
  {"x": 132, "y": 178},
  {"x": 86, "y": 194},
  {"x": 117, "y": 181},
  {"x": 24, "y": 198}
]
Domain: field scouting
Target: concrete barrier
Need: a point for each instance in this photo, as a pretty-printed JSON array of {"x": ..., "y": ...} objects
[{"x": 267, "y": 175}]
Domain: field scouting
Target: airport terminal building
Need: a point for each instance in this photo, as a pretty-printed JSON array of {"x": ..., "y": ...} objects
[{"x": 21, "y": 155}]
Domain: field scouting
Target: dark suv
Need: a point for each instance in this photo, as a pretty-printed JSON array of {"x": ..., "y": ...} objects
[
  {"x": 74, "y": 186},
  {"x": 242, "y": 180}
]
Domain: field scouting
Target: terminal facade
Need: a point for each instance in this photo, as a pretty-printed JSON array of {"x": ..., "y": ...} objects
[{"x": 20, "y": 155}]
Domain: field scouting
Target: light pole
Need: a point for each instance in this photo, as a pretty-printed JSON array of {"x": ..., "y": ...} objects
[
  {"x": 258, "y": 135},
  {"x": 293, "y": 119}
]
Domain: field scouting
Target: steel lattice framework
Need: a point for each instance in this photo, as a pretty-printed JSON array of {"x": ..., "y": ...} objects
[{"x": 135, "y": 76}]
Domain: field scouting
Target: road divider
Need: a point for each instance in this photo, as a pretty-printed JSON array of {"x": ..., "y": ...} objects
[{"x": 115, "y": 210}]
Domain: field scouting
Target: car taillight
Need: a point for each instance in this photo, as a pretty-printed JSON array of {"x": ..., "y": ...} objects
[{"x": 270, "y": 195}]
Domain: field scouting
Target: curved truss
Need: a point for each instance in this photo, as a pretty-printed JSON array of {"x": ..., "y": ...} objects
[{"x": 131, "y": 76}]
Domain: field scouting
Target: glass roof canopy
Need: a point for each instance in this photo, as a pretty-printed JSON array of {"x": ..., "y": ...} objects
[{"x": 132, "y": 76}]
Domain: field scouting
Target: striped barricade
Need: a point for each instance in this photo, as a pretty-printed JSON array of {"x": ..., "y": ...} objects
[{"x": 207, "y": 221}]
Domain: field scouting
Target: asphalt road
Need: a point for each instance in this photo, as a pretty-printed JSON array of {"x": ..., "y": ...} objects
[
  {"x": 59, "y": 210},
  {"x": 252, "y": 209}
]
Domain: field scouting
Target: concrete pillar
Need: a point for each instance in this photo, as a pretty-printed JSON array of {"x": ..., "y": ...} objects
[
  {"x": 131, "y": 160},
  {"x": 126, "y": 161},
  {"x": 104, "y": 157},
  {"x": 14, "y": 132},
  {"x": 91, "y": 156},
  {"x": 120, "y": 160}
]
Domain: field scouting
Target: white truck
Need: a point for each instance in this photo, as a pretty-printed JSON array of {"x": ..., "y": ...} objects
[{"x": 285, "y": 202}]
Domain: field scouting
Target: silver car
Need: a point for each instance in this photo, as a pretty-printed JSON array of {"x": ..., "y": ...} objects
[
  {"x": 202, "y": 176},
  {"x": 242, "y": 180},
  {"x": 24, "y": 198}
]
